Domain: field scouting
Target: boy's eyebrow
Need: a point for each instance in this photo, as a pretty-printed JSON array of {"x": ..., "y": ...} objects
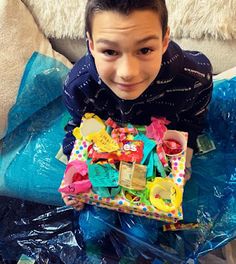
[
  {"x": 106, "y": 41},
  {"x": 151, "y": 37},
  {"x": 113, "y": 43}
]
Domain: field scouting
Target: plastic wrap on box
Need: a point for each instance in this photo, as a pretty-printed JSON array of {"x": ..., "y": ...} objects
[{"x": 51, "y": 234}]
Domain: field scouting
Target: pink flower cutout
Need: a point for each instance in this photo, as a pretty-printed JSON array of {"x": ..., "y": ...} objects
[{"x": 157, "y": 128}]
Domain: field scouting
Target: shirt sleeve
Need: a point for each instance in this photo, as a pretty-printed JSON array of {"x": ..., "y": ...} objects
[
  {"x": 69, "y": 140},
  {"x": 76, "y": 101},
  {"x": 73, "y": 108},
  {"x": 192, "y": 118}
]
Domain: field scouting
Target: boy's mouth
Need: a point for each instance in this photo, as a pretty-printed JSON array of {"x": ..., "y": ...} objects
[{"x": 128, "y": 86}]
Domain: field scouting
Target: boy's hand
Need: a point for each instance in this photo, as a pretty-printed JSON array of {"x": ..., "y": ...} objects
[
  {"x": 72, "y": 201},
  {"x": 188, "y": 173},
  {"x": 188, "y": 169}
]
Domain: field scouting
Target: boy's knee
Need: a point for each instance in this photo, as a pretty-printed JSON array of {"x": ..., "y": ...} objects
[
  {"x": 140, "y": 227},
  {"x": 95, "y": 222}
]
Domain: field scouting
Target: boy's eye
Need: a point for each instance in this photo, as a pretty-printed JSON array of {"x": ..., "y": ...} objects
[
  {"x": 145, "y": 51},
  {"x": 109, "y": 52}
]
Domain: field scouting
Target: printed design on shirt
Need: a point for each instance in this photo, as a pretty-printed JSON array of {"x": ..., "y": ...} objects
[
  {"x": 68, "y": 94},
  {"x": 99, "y": 91},
  {"x": 204, "y": 107},
  {"x": 66, "y": 81},
  {"x": 187, "y": 120},
  {"x": 102, "y": 106},
  {"x": 69, "y": 107},
  {"x": 197, "y": 84},
  {"x": 190, "y": 99},
  {"x": 206, "y": 88},
  {"x": 84, "y": 84},
  {"x": 204, "y": 99},
  {"x": 203, "y": 63},
  {"x": 84, "y": 67},
  {"x": 195, "y": 73},
  {"x": 69, "y": 145},
  {"x": 201, "y": 111},
  {"x": 128, "y": 111},
  {"x": 165, "y": 103},
  {"x": 171, "y": 60},
  {"x": 81, "y": 111},
  {"x": 183, "y": 89},
  {"x": 154, "y": 98},
  {"x": 164, "y": 81},
  {"x": 195, "y": 54}
]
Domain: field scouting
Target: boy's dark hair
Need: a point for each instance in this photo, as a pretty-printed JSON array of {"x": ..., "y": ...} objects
[{"x": 125, "y": 7}]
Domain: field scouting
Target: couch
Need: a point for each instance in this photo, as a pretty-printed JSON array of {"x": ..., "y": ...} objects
[{"x": 208, "y": 26}]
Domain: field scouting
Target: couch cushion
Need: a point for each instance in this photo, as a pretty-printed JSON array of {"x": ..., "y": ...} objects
[
  {"x": 204, "y": 19},
  {"x": 20, "y": 37}
]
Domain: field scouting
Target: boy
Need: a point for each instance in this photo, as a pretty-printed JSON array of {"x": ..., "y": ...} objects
[{"x": 133, "y": 71}]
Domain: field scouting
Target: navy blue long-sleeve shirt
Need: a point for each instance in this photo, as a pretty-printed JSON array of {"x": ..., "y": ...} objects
[{"x": 181, "y": 92}]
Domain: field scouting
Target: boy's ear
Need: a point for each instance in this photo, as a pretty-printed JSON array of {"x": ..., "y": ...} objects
[
  {"x": 166, "y": 40},
  {"x": 90, "y": 43}
]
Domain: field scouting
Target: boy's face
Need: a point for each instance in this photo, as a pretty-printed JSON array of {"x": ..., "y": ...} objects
[{"x": 127, "y": 50}]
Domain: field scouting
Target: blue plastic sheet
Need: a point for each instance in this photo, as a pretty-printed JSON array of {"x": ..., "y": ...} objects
[
  {"x": 35, "y": 131},
  {"x": 41, "y": 84},
  {"x": 28, "y": 166},
  {"x": 51, "y": 234}
]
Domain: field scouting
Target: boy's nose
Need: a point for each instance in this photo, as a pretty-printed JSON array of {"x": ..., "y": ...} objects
[{"x": 128, "y": 68}]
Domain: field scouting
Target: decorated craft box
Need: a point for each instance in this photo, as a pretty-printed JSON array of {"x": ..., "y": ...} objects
[{"x": 135, "y": 170}]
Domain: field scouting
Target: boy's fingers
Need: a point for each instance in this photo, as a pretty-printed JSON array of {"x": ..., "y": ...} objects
[
  {"x": 79, "y": 206},
  {"x": 187, "y": 175},
  {"x": 72, "y": 201}
]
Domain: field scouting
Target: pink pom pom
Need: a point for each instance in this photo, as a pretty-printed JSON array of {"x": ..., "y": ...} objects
[{"x": 157, "y": 128}]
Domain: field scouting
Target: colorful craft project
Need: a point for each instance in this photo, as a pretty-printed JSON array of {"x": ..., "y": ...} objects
[{"x": 129, "y": 169}]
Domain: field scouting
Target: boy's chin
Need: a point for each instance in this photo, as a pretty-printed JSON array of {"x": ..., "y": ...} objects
[{"x": 128, "y": 96}]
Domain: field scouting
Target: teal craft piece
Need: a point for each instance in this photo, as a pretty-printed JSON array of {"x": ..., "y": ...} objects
[
  {"x": 150, "y": 165},
  {"x": 149, "y": 145},
  {"x": 103, "y": 175},
  {"x": 109, "y": 129},
  {"x": 159, "y": 165},
  {"x": 106, "y": 192}
]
